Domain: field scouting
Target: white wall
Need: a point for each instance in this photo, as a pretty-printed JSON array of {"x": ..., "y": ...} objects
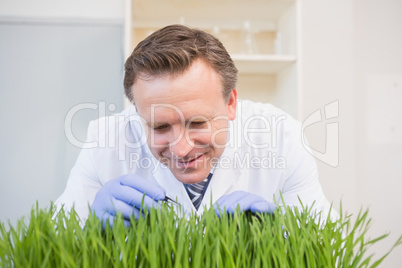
[
  {"x": 59, "y": 9},
  {"x": 327, "y": 76},
  {"x": 54, "y": 55},
  {"x": 352, "y": 53},
  {"x": 378, "y": 85}
]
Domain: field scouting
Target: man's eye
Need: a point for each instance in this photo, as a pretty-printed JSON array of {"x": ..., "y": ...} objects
[
  {"x": 161, "y": 127},
  {"x": 197, "y": 123}
]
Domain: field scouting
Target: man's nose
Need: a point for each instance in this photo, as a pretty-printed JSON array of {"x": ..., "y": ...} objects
[{"x": 181, "y": 146}]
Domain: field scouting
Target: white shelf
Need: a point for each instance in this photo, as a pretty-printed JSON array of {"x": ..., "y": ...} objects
[
  {"x": 262, "y": 64},
  {"x": 262, "y": 14}
]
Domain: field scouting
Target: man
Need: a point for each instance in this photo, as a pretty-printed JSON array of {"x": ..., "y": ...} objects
[{"x": 189, "y": 139}]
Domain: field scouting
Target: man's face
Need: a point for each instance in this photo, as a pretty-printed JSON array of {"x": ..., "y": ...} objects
[{"x": 186, "y": 119}]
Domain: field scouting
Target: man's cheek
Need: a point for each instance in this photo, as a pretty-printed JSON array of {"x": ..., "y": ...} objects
[
  {"x": 219, "y": 138},
  {"x": 200, "y": 140},
  {"x": 156, "y": 141}
]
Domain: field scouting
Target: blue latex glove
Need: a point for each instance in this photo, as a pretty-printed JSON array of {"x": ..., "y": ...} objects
[
  {"x": 125, "y": 195},
  {"x": 246, "y": 201}
]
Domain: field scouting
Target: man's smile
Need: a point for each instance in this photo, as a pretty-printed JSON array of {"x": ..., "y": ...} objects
[{"x": 187, "y": 162}]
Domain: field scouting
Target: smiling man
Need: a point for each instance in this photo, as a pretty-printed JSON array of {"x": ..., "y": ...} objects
[{"x": 206, "y": 147}]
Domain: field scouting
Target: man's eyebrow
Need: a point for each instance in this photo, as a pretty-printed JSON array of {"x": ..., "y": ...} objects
[
  {"x": 200, "y": 117},
  {"x": 155, "y": 123},
  {"x": 195, "y": 118}
]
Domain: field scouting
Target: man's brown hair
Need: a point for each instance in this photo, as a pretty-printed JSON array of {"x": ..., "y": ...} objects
[{"x": 171, "y": 50}]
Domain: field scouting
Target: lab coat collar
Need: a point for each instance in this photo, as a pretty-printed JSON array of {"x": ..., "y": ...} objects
[{"x": 224, "y": 179}]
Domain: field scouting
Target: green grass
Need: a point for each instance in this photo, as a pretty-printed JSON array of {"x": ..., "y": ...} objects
[{"x": 288, "y": 238}]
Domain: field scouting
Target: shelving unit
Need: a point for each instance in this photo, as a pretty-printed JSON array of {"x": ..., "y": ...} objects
[
  {"x": 268, "y": 65},
  {"x": 262, "y": 63}
]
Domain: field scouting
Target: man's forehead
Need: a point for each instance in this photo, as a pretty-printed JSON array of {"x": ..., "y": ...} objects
[{"x": 199, "y": 75}]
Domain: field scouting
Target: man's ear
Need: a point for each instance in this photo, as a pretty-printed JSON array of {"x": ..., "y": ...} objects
[{"x": 232, "y": 105}]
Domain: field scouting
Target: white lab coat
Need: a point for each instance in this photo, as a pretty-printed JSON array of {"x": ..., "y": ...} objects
[{"x": 116, "y": 145}]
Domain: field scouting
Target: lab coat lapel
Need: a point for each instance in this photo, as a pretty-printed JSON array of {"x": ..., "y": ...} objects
[{"x": 226, "y": 177}]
